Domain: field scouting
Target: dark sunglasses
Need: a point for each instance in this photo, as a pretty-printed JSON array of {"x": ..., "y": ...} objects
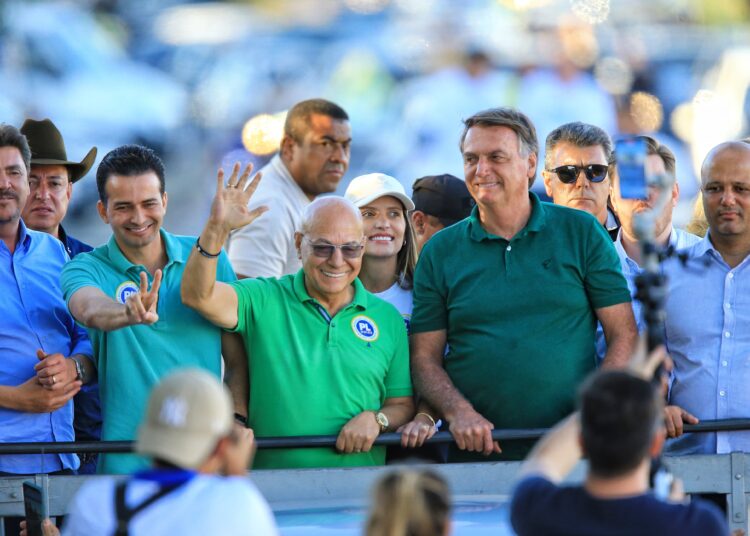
[
  {"x": 325, "y": 251},
  {"x": 569, "y": 174}
]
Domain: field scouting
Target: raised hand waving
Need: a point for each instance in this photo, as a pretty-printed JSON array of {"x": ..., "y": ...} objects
[{"x": 229, "y": 208}]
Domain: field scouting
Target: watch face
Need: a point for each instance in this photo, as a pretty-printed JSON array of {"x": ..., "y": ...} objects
[
  {"x": 79, "y": 369},
  {"x": 382, "y": 421}
]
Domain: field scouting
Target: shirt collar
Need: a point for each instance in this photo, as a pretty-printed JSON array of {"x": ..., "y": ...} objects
[
  {"x": 624, "y": 254},
  {"x": 673, "y": 237},
  {"x": 121, "y": 262},
  {"x": 534, "y": 224},
  {"x": 24, "y": 237},
  {"x": 618, "y": 246},
  {"x": 705, "y": 246},
  {"x": 360, "y": 293},
  {"x": 277, "y": 164},
  {"x": 62, "y": 235}
]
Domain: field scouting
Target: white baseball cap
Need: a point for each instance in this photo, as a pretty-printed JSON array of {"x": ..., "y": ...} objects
[
  {"x": 367, "y": 188},
  {"x": 188, "y": 413}
]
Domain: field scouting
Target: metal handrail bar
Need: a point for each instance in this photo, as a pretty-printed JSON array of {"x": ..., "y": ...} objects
[{"x": 723, "y": 425}]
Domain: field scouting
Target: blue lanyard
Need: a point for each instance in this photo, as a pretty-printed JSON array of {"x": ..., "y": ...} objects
[{"x": 166, "y": 477}]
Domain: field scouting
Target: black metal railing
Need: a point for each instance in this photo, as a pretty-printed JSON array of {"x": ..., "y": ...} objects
[{"x": 725, "y": 425}]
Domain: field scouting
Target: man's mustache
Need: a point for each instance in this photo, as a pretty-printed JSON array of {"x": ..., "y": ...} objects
[{"x": 8, "y": 194}]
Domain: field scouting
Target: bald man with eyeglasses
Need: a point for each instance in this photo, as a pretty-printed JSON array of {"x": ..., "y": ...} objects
[{"x": 326, "y": 357}]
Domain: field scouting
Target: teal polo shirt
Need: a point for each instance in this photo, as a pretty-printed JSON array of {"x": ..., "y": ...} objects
[
  {"x": 519, "y": 313},
  {"x": 309, "y": 373},
  {"x": 131, "y": 360}
]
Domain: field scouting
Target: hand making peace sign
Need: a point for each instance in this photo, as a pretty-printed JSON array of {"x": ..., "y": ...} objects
[{"x": 141, "y": 306}]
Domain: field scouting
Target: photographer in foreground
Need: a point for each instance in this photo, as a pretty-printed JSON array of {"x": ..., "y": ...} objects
[
  {"x": 619, "y": 428},
  {"x": 198, "y": 482}
]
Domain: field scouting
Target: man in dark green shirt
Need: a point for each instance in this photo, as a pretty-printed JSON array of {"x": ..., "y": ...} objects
[{"x": 515, "y": 290}]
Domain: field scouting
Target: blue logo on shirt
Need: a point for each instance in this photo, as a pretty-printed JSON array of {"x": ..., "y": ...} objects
[
  {"x": 124, "y": 290},
  {"x": 365, "y": 328}
]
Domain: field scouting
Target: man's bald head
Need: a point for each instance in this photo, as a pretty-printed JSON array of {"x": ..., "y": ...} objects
[
  {"x": 329, "y": 210},
  {"x": 330, "y": 245},
  {"x": 733, "y": 152},
  {"x": 725, "y": 183}
]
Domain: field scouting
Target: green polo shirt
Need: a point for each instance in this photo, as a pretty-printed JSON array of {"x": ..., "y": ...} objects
[
  {"x": 131, "y": 360},
  {"x": 310, "y": 374},
  {"x": 519, "y": 314}
]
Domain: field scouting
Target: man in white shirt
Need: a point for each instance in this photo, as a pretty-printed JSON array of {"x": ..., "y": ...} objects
[
  {"x": 198, "y": 483},
  {"x": 312, "y": 159}
]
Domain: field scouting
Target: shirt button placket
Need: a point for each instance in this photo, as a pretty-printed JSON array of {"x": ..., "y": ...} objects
[{"x": 725, "y": 348}]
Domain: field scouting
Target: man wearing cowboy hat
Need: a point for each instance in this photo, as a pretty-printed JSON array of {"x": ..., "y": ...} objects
[
  {"x": 51, "y": 182},
  {"x": 50, "y": 186}
]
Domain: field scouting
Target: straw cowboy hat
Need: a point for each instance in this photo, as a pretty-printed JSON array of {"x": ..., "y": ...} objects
[{"x": 48, "y": 148}]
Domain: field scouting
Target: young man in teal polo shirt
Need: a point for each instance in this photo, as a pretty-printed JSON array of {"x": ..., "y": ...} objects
[
  {"x": 326, "y": 356},
  {"x": 139, "y": 335},
  {"x": 515, "y": 290}
]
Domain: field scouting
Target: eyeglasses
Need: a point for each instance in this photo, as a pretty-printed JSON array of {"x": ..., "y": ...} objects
[
  {"x": 569, "y": 174},
  {"x": 325, "y": 251}
]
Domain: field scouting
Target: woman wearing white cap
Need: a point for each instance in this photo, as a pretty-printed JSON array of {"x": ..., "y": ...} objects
[
  {"x": 390, "y": 251},
  {"x": 388, "y": 264}
]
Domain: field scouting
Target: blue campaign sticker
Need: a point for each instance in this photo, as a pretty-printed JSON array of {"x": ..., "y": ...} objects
[
  {"x": 365, "y": 328},
  {"x": 124, "y": 290}
]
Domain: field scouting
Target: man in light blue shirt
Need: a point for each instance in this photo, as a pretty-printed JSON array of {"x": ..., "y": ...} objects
[
  {"x": 659, "y": 161},
  {"x": 40, "y": 343},
  {"x": 708, "y": 308}
]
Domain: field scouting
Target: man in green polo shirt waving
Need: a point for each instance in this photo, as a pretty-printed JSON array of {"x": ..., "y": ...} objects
[
  {"x": 325, "y": 356},
  {"x": 515, "y": 291}
]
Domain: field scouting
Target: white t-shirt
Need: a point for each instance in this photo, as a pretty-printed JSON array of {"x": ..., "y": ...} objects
[
  {"x": 401, "y": 299},
  {"x": 265, "y": 248},
  {"x": 207, "y": 504}
]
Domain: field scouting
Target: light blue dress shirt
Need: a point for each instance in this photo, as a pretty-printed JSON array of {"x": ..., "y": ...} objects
[
  {"x": 708, "y": 316},
  {"x": 35, "y": 316},
  {"x": 678, "y": 239}
]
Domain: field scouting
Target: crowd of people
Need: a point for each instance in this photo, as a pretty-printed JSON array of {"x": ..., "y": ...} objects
[{"x": 471, "y": 304}]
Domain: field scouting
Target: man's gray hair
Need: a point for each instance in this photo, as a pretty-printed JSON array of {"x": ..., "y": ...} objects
[
  {"x": 505, "y": 117},
  {"x": 579, "y": 135}
]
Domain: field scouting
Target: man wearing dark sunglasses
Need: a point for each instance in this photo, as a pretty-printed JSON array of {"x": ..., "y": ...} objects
[
  {"x": 325, "y": 356},
  {"x": 576, "y": 170}
]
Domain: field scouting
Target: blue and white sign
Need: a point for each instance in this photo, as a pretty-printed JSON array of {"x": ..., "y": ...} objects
[
  {"x": 124, "y": 290},
  {"x": 365, "y": 328}
]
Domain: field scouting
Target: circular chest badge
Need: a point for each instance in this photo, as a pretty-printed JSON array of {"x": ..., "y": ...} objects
[
  {"x": 124, "y": 290},
  {"x": 365, "y": 328}
]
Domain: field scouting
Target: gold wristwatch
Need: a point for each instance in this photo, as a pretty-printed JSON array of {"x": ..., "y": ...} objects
[{"x": 382, "y": 421}]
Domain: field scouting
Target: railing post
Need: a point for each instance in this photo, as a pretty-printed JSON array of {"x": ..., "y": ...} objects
[{"x": 737, "y": 497}]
